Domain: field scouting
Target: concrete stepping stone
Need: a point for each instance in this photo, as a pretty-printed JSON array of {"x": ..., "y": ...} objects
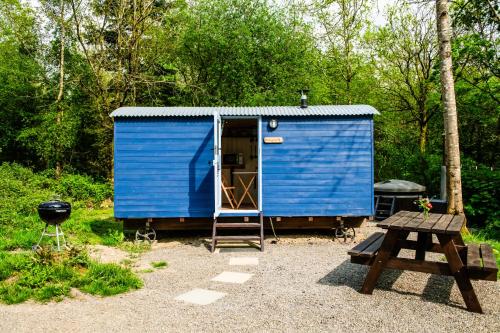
[
  {"x": 200, "y": 296},
  {"x": 232, "y": 277},
  {"x": 244, "y": 261}
]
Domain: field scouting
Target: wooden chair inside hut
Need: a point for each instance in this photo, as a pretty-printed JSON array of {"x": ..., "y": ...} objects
[{"x": 229, "y": 193}]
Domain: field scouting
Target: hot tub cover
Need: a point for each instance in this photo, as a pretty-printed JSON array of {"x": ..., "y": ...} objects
[{"x": 399, "y": 186}]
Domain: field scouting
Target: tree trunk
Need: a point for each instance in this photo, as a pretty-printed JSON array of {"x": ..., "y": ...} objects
[
  {"x": 422, "y": 139},
  {"x": 60, "y": 94},
  {"x": 454, "y": 178}
]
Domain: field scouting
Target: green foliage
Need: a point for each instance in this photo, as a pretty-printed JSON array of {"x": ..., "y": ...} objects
[
  {"x": 20, "y": 74},
  {"x": 52, "y": 135},
  {"x": 232, "y": 53},
  {"x": 482, "y": 197},
  {"x": 46, "y": 275},
  {"x": 83, "y": 188}
]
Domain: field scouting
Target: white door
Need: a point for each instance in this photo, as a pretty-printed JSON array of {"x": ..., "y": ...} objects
[{"x": 217, "y": 163}]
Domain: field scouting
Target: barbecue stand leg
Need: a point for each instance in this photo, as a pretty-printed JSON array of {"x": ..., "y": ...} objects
[
  {"x": 44, "y": 231},
  {"x": 459, "y": 271},
  {"x": 64, "y": 239},
  {"x": 380, "y": 261},
  {"x": 57, "y": 238}
]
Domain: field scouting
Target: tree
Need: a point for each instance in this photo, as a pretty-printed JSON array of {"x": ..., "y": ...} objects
[
  {"x": 51, "y": 134},
  {"x": 453, "y": 174},
  {"x": 243, "y": 53},
  {"x": 20, "y": 76},
  {"x": 123, "y": 46},
  {"x": 476, "y": 64},
  {"x": 342, "y": 23},
  {"x": 405, "y": 53}
]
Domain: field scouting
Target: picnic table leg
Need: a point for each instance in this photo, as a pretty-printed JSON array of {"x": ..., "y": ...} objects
[
  {"x": 423, "y": 239},
  {"x": 458, "y": 240},
  {"x": 403, "y": 234},
  {"x": 459, "y": 271},
  {"x": 390, "y": 241}
]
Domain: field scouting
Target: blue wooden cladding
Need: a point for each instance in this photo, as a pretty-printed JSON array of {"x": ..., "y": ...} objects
[
  {"x": 163, "y": 167},
  {"x": 324, "y": 167}
]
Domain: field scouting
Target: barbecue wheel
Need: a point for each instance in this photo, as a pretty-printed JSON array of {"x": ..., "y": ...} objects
[
  {"x": 148, "y": 234},
  {"x": 345, "y": 232}
]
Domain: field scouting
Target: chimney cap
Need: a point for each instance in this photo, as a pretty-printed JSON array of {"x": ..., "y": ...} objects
[{"x": 303, "y": 98}]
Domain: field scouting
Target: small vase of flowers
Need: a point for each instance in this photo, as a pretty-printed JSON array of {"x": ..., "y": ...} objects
[{"x": 425, "y": 205}]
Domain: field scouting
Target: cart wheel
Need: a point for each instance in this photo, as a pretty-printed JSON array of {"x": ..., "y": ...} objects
[
  {"x": 145, "y": 235},
  {"x": 345, "y": 233}
]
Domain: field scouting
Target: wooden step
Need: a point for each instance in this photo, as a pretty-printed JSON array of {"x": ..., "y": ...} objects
[
  {"x": 237, "y": 237},
  {"x": 237, "y": 225}
]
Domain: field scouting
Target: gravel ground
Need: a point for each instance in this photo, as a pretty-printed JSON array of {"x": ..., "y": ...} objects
[{"x": 301, "y": 284}]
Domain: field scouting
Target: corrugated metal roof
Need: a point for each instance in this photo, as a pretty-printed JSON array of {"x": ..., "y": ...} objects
[{"x": 188, "y": 111}]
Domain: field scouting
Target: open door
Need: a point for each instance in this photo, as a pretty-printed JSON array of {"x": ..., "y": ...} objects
[
  {"x": 217, "y": 163},
  {"x": 240, "y": 166}
]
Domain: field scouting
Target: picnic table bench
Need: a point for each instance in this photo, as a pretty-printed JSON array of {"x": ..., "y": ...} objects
[{"x": 380, "y": 250}]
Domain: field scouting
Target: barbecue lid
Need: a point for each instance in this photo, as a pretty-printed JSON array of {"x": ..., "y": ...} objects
[
  {"x": 54, "y": 204},
  {"x": 399, "y": 185}
]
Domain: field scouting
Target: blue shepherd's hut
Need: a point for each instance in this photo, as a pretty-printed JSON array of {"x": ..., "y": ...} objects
[{"x": 299, "y": 167}]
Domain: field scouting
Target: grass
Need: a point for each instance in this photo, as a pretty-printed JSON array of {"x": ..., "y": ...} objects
[
  {"x": 159, "y": 264},
  {"x": 46, "y": 275},
  {"x": 135, "y": 247},
  {"x": 108, "y": 279},
  {"x": 85, "y": 226}
]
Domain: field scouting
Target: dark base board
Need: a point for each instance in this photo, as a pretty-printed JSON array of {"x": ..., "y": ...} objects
[{"x": 280, "y": 223}]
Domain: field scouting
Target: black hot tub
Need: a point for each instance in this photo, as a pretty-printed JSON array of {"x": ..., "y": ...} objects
[{"x": 394, "y": 195}]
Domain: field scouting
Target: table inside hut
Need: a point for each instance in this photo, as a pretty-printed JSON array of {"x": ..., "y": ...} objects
[{"x": 381, "y": 251}]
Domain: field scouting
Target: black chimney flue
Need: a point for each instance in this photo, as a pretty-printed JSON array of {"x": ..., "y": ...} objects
[{"x": 303, "y": 98}]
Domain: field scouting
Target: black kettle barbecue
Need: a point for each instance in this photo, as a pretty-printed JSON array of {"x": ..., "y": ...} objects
[{"x": 53, "y": 212}]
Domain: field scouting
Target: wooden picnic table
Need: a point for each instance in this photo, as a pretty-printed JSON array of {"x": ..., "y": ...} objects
[{"x": 381, "y": 251}]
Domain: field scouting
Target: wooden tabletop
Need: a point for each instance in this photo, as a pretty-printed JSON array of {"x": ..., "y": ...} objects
[{"x": 414, "y": 221}]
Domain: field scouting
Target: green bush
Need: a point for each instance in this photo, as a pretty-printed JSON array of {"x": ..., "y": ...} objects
[
  {"x": 480, "y": 186},
  {"x": 84, "y": 189}
]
